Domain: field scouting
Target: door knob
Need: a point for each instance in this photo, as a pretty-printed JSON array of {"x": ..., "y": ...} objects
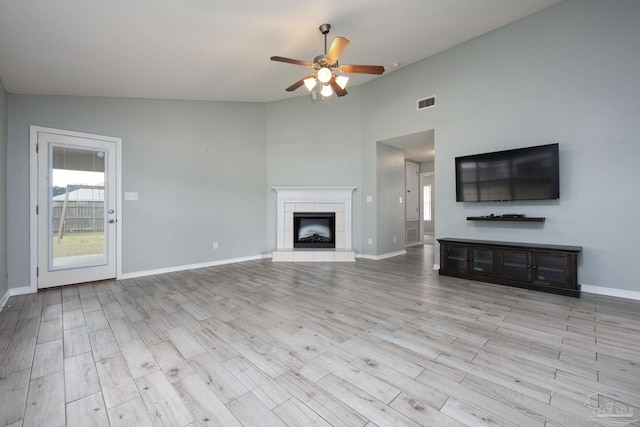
[{"x": 111, "y": 221}]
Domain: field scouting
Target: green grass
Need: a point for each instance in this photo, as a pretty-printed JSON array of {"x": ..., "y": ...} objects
[{"x": 75, "y": 244}]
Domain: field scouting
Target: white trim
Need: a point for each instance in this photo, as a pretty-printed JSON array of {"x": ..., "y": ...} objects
[
  {"x": 20, "y": 291},
  {"x": 12, "y": 293},
  {"x": 415, "y": 244},
  {"x": 383, "y": 256},
  {"x": 4, "y": 299},
  {"x": 135, "y": 274},
  {"x": 612, "y": 292},
  {"x": 33, "y": 197}
]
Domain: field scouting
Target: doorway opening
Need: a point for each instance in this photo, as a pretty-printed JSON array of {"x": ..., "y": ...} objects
[{"x": 419, "y": 153}]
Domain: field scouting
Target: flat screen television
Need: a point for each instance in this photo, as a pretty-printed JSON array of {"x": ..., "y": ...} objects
[{"x": 530, "y": 173}]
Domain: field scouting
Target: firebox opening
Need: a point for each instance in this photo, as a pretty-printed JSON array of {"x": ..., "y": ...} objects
[{"x": 314, "y": 229}]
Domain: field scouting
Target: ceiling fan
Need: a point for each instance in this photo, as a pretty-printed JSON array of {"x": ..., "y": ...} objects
[{"x": 327, "y": 66}]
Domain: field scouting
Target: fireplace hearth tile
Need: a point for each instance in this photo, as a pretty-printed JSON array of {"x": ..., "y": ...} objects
[
  {"x": 313, "y": 255},
  {"x": 340, "y": 219},
  {"x": 305, "y": 207},
  {"x": 323, "y": 207},
  {"x": 288, "y": 222}
]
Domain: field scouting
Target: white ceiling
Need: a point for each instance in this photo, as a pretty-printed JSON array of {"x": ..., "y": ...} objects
[{"x": 220, "y": 49}]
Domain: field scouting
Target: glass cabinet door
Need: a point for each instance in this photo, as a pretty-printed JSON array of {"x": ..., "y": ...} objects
[
  {"x": 456, "y": 258},
  {"x": 516, "y": 265},
  {"x": 550, "y": 268},
  {"x": 482, "y": 261}
]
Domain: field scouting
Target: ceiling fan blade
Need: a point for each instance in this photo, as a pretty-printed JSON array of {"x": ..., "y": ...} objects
[
  {"x": 292, "y": 61},
  {"x": 362, "y": 69},
  {"x": 337, "y": 47},
  {"x": 299, "y": 83},
  {"x": 336, "y": 87}
]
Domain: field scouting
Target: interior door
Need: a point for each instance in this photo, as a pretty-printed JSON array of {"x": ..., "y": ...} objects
[
  {"x": 76, "y": 209},
  {"x": 412, "y": 205}
]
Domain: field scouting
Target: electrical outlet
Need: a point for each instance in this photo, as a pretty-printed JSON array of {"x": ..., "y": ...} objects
[
  {"x": 370, "y": 241},
  {"x": 394, "y": 239},
  {"x": 215, "y": 245},
  {"x": 369, "y": 199}
]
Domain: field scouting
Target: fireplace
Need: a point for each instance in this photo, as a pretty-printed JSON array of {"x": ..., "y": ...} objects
[
  {"x": 334, "y": 201},
  {"x": 314, "y": 229}
]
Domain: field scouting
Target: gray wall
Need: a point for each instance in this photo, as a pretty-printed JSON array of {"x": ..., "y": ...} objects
[
  {"x": 198, "y": 167},
  {"x": 568, "y": 74},
  {"x": 314, "y": 144},
  {"x": 391, "y": 214},
  {"x": 3, "y": 191},
  {"x": 427, "y": 167}
]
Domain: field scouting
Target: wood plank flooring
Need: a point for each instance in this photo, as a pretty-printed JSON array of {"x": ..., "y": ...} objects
[{"x": 370, "y": 343}]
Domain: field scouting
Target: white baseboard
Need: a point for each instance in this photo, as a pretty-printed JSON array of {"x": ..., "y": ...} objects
[
  {"x": 383, "y": 256},
  {"x": 189, "y": 267},
  {"x": 4, "y": 299},
  {"x": 21, "y": 291},
  {"x": 612, "y": 292},
  {"x": 12, "y": 292}
]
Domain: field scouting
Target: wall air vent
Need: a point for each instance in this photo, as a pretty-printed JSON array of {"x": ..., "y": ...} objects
[{"x": 426, "y": 102}]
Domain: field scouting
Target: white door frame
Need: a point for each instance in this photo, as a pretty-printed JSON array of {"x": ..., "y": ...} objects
[{"x": 33, "y": 197}]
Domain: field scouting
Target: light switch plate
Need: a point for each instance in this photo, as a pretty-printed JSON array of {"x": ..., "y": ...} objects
[{"x": 130, "y": 196}]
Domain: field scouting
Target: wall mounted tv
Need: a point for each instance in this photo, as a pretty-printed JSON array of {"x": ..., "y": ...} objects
[{"x": 530, "y": 173}]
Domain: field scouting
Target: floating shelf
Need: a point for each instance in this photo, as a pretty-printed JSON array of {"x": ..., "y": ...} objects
[{"x": 500, "y": 218}]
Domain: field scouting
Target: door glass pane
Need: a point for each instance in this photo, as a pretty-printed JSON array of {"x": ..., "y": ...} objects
[
  {"x": 426, "y": 197},
  {"x": 483, "y": 261},
  {"x": 515, "y": 265},
  {"x": 457, "y": 257},
  {"x": 77, "y": 207},
  {"x": 551, "y": 268}
]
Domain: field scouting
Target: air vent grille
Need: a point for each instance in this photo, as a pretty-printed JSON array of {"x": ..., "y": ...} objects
[
  {"x": 412, "y": 235},
  {"x": 426, "y": 102}
]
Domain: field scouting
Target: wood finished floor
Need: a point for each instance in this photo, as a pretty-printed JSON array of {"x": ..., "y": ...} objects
[{"x": 370, "y": 343}]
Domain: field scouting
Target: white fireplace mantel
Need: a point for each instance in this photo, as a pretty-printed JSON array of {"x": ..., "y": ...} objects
[{"x": 336, "y": 195}]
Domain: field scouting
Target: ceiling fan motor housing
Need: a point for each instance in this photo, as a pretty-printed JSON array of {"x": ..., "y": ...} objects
[{"x": 324, "y": 28}]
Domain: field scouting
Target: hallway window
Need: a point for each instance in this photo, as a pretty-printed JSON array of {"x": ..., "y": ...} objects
[{"x": 426, "y": 197}]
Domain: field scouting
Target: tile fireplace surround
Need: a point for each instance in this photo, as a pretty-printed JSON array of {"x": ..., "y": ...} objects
[{"x": 313, "y": 199}]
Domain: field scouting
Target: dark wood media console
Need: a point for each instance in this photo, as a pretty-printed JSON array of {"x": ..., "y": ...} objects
[{"x": 547, "y": 268}]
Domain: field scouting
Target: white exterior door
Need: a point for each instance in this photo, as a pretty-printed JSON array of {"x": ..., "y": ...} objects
[{"x": 76, "y": 209}]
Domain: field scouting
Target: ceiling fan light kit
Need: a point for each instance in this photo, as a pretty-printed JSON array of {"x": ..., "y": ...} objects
[
  {"x": 342, "y": 81},
  {"x": 310, "y": 83},
  {"x": 324, "y": 75},
  {"x": 327, "y": 67}
]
